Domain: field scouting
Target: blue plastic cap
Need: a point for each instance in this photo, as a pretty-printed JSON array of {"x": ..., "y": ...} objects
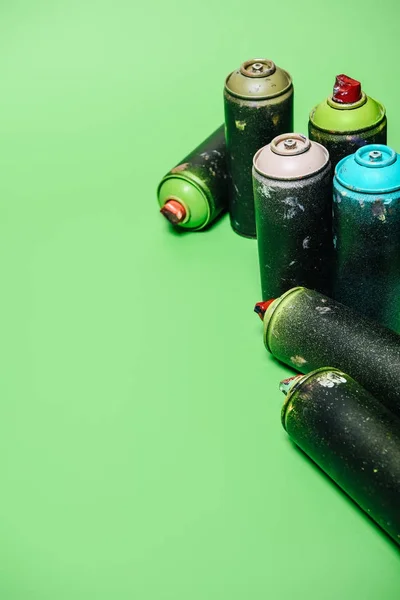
[{"x": 373, "y": 169}]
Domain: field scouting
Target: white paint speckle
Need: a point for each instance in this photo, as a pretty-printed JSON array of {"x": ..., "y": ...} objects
[
  {"x": 265, "y": 191},
  {"x": 306, "y": 242},
  {"x": 322, "y": 309},
  {"x": 292, "y": 207},
  {"x": 330, "y": 379},
  {"x": 298, "y": 360}
]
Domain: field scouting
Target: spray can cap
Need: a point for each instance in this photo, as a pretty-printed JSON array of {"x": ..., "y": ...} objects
[
  {"x": 290, "y": 156},
  {"x": 373, "y": 169},
  {"x": 346, "y": 90},
  {"x": 258, "y": 78}
]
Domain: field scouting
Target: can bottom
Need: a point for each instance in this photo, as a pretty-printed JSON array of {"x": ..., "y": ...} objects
[{"x": 250, "y": 236}]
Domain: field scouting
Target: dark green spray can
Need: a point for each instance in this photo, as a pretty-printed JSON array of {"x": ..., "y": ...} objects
[
  {"x": 258, "y": 106},
  {"x": 307, "y": 330},
  {"x": 351, "y": 436},
  {"x": 347, "y": 120},
  {"x": 366, "y": 227},
  {"x": 195, "y": 192},
  {"x": 293, "y": 205}
]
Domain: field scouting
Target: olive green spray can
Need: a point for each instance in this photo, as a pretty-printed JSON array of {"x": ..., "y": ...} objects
[
  {"x": 258, "y": 106},
  {"x": 307, "y": 330},
  {"x": 351, "y": 436},
  {"x": 195, "y": 192},
  {"x": 347, "y": 120},
  {"x": 293, "y": 205}
]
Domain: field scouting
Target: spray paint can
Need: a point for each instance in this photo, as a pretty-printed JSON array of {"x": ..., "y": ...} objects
[
  {"x": 347, "y": 120},
  {"x": 307, "y": 330},
  {"x": 351, "y": 436},
  {"x": 195, "y": 192},
  {"x": 258, "y": 106},
  {"x": 293, "y": 206},
  {"x": 366, "y": 225}
]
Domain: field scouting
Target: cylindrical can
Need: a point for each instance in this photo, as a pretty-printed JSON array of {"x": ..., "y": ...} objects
[
  {"x": 347, "y": 120},
  {"x": 307, "y": 330},
  {"x": 352, "y": 437},
  {"x": 195, "y": 192},
  {"x": 258, "y": 106},
  {"x": 293, "y": 206},
  {"x": 366, "y": 227}
]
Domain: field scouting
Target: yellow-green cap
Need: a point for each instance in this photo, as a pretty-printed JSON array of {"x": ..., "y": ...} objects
[{"x": 342, "y": 118}]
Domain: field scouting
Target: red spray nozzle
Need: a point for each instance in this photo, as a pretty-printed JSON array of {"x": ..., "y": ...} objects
[
  {"x": 174, "y": 211},
  {"x": 261, "y": 308},
  {"x": 346, "y": 90}
]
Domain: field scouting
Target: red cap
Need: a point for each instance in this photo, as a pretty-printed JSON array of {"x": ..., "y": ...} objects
[
  {"x": 174, "y": 211},
  {"x": 261, "y": 308},
  {"x": 346, "y": 90}
]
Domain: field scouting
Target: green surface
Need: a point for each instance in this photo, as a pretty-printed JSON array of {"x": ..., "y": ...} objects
[{"x": 141, "y": 450}]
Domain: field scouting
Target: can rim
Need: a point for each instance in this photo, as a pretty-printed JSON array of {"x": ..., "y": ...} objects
[
  {"x": 264, "y": 61},
  {"x": 299, "y": 382},
  {"x": 350, "y": 106},
  {"x": 290, "y": 136},
  {"x": 268, "y": 317}
]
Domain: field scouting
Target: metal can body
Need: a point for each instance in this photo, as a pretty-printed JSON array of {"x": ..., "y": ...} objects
[
  {"x": 343, "y": 122},
  {"x": 307, "y": 330},
  {"x": 256, "y": 111},
  {"x": 293, "y": 207},
  {"x": 340, "y": 145},
  {"x": 352, "y": 437},
  {"x": 198, "y": 184},
  {"x": 366, "y": 227}
]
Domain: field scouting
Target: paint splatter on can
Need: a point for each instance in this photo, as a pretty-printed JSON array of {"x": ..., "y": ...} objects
[
  {"x": 195, "y": 192},
  {"x": 366, "y": 227},
  {"x": 307, "y": 330},
  {"x": 347, "y": 120},
  {"x": 258, "y": 106},
  {"x": 352, "y": 437},
  {"x": 293, "y": 206}
]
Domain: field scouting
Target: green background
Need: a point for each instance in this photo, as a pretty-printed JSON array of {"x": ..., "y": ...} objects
[{"x": 141, "y": 450}]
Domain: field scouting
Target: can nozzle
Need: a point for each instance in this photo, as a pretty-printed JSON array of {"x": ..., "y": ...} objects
[
  {"x": 286, "y": 384},
  {"x": 261, "y": 308},
  {"x": 346, "y": 90},
  {"x": 174, "y": 211}
]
